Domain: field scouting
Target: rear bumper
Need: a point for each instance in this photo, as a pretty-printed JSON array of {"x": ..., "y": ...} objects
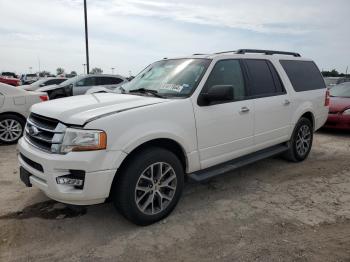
[
  {"x": 338, "y": 121},
  {"x": 99, "y": 166}
]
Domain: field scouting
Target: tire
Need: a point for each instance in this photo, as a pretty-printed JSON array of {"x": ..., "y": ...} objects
[
  {"x": 301, "y": 141},
  {"x": 145, "y": 206},
  {"x": 11, "y": 128}
]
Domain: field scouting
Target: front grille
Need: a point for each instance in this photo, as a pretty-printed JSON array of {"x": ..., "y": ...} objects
[
  {"x": 44, "y": 133},
  {"x": 31, "y": 163}
]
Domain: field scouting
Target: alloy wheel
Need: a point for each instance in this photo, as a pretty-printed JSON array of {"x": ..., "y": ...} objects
[
  {"x": 10, "y": 130},
  {"x": 303, "y": 141},
  {"x": 155, "y": 188}
]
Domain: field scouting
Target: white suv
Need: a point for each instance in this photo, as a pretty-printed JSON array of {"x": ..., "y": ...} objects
[{"x": 198, "y": 116}]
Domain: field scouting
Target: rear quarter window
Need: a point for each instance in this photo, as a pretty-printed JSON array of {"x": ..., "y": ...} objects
[{"x": 304, "y": 75}]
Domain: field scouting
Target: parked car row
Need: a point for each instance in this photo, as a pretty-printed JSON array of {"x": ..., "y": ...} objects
[{"x": 134, "y": 141}]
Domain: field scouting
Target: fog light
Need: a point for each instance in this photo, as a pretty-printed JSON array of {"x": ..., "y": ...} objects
[
  {"x": 76, "y": 178},
  {"x": 67, "y": 180}
]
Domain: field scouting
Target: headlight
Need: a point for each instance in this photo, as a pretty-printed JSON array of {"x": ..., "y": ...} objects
[
  {"x": 83, "y": 140},
  {"x": 346, "y": 112}
]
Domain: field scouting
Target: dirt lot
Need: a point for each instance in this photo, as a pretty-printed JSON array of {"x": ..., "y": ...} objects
[{"x": 269, "y": 211}]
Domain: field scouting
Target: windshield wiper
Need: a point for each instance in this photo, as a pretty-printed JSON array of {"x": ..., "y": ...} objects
[{"x": 147, "y": 91}]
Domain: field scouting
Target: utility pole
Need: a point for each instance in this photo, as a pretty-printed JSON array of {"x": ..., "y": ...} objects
[
  {"x": 112, "y": 70},
  {"x": 84, "y": 68},
  {"x": 86, "y": 39},
  {"x": 346, "y": 72}
]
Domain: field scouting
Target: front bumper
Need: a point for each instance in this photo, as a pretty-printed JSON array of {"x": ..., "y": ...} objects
[
  {"x": 99, "y": 166},
  {"x": 338, "y": 121}
]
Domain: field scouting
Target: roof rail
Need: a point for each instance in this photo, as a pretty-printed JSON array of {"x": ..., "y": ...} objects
[
  {"x": 225, "y": 52},
  {"x": 199, "y": 54},
  {"x": 266, "y": 52}
]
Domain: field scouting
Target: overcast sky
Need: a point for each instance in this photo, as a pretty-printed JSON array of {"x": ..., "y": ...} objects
[{"x": 130, "y": 34}]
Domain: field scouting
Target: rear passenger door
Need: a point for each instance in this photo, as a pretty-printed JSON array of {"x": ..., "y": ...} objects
[{"x": 273, "y": 114}]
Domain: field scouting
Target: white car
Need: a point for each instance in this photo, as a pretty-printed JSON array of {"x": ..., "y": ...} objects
[
  {"x": 197, "y": 116},
  {"x": 43, "y": 82},
  {"x": 14, "y": 109}
]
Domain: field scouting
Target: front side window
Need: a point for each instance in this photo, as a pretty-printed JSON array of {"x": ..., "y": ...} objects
[
  {"x": 89, "y": 81},
  {"x": 227, "y": 72},
  {"x": 171, "y": 77}
]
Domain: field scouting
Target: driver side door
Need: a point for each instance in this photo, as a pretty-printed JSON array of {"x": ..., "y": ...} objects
[{"x": 225, "y": 130}]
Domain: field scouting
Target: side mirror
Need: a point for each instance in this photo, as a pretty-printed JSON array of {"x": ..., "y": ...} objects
[
  {"x": 217, "y": 93},
  {"x": 42, "y": 85}
]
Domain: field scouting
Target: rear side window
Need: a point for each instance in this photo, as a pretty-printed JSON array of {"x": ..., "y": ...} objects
[
  {"x": 263, "y": 78},
  {"x": 304, "y": 75}
]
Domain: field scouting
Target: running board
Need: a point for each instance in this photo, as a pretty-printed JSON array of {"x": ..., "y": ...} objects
[{"x": 211, "y": 172}]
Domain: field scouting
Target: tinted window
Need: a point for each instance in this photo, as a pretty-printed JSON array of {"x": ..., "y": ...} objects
[
  {"x": 263, "y": 78},
  {"x": 227, "y": 72},
  {"x": 304, "y": 75}
]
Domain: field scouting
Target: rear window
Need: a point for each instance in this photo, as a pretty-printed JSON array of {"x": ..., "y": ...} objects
[{"x": 304, "y": 75}]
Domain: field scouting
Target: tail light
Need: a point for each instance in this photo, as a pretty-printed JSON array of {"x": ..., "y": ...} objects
[
  {"x": 44, "y": 98},
  {"x": 326, "y": 100}
]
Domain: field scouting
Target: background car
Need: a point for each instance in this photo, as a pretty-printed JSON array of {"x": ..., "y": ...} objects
[
  {"x": 28, "y": 79},
  {"x": 339, "y": 109},
  {"x": 44, "y": 82},
  {"x": 80, "y": 84},
  {"x": 14, "y": 108},
  {"x": 10, "y": 80}
]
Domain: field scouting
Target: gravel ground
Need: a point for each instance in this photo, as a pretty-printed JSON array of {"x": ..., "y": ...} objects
[{"x": 269, "y": 211}]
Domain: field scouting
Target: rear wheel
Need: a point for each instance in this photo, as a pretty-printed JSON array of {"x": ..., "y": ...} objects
[
  {"x": 301, "y": 141},
  {"x": 149, "y": 186},
  {"x": 11, "y": 128}
]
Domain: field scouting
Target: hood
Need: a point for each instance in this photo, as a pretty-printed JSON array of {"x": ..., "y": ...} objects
[
  {"x": 339, "y": 104},
  {"x": 78, "y": 110},
  {"x": 47, "y": 88}
]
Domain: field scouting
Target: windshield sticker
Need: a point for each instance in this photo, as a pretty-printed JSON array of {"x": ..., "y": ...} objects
[{"x": 173, "y": 87}]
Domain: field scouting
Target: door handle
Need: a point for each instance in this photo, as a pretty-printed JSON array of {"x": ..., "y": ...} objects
[
  {"x": 244, "y": 109},
  {"x": 286, "y": 102}
]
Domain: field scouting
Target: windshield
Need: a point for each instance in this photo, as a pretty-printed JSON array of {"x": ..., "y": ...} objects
[
  {"x": 170, "y": 78},
  {"x": 342, "y": 90}
]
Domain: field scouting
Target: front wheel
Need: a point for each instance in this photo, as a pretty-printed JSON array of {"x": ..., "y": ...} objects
[
  {"x": 148, "y": 188},
  {"x": 301, "y": 141}
]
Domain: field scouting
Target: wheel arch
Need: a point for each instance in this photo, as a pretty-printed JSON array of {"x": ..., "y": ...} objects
[
  {"x": 166, "y": 143},
  {"x": 310, "y": 116},
  {"x": 14, "y": 113}
]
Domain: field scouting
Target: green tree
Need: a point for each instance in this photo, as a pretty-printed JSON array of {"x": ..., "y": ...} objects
[
  {"x": 60, "y": 71},
  {"x": 96, "y": 70}
]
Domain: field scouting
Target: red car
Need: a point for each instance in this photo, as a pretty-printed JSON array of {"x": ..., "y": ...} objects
[
  {"x": 10, "y": 81},
  {"x": 339, "y": 108}
]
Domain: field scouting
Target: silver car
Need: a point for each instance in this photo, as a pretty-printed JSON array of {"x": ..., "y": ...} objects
[{"x": 80, "y": 84}]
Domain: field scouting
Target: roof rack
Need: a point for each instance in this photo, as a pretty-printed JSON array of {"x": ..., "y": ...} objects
[
  {"x": 266, "y": 52},
  {"x": 199, "y": 54}
]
